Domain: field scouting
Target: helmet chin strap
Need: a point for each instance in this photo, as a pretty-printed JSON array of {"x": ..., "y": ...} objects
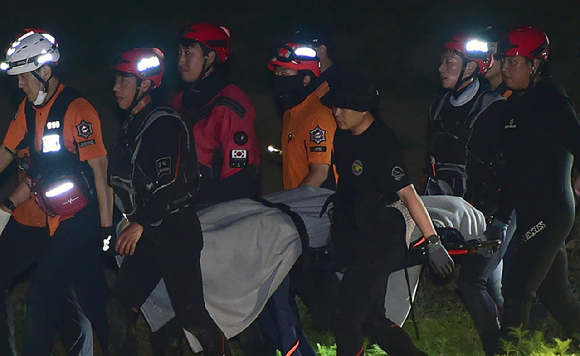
[
  {"x": 203, "y": 71},
  {"x": 137, "y": 99},
  {"x": 535, "y": 72},
  {"x": 41, "y": 96},
  {"x": 462, "y": 80}
]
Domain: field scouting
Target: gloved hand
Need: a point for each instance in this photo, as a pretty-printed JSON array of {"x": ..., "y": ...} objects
[
  {"x": 495, "y": 231},
  {"x": 439, "y": 258},
  {"x": 109, "y": 240},
  {"x": 485, "y": 251},
  {"x": 4, "y": 218}
]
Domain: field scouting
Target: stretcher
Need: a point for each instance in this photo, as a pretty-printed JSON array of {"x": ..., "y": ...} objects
[{"x": 250, "y": 247}]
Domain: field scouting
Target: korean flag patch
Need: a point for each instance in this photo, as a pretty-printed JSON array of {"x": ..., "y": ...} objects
[{"x": 239, "y": 158}]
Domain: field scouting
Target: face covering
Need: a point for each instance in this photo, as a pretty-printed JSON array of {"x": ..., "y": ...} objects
[
  {"x": 40, "y": 98},
  {"x": 290, "y": 90}
]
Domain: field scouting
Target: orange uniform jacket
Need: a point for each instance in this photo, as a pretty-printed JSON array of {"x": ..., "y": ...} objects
[
  {"x": 82, "y": 129},
  {"x": 307, "y": 137}
]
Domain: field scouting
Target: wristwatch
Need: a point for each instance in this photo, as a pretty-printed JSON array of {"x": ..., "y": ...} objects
[
  {"x": 433, "y": 239},
  {"x": 9, "y": 204}
]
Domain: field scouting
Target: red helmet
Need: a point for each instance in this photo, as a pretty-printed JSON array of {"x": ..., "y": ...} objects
[
  {"x": 471, "y": 48},
  {"x": 212, "y": 36},
  {"x": 296, "y": 56},
  {"x": 144, "y": 63},
  {"x": 526, "y": 42}
]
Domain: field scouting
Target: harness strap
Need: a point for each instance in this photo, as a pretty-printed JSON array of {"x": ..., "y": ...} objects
[{"x": 298, "y": 222}]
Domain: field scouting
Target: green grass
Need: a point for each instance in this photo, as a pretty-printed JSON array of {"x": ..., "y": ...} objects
[
  {"x": 445, "y": 329},
  {"x": 444, "y": 325}
]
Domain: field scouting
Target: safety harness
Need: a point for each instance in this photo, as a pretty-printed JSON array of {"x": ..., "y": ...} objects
[
  {"x": 125, "y": 177},
  {"x": 456, "y": 169},
  {"x": 60, "y": 180}
]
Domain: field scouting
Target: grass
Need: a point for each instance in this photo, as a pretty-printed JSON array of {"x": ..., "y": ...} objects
[
  {"x": 444, "y": 325},
  {"x": 445, "y": 328}
]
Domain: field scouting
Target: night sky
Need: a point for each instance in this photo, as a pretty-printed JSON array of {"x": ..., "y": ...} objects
[{"x": 393, "y": 42}]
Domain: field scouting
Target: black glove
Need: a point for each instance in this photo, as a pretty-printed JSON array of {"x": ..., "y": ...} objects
[
  {"x": 439, "y": 258},
  {"x": 495, "y": 231},
  {"x": 109, "y": 240}
]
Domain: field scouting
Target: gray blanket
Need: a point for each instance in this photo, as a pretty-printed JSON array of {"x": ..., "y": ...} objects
[{"x": 249, "y": 248}]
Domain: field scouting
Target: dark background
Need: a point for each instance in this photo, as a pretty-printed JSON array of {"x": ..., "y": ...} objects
[{"x": 393, "y": 42}]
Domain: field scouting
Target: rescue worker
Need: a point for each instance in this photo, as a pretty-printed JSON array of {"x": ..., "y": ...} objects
[
  {"x": 541, "y": 137},
  {"x": 57, "y": 135},
  {"x": 464, "y": 135},
  {"x": 492, "y": 35},
  {"x": 308, "y": 128},
  {"x": 375, "y": 210},
  {"x": 223, "y": 122},
  {"x": 154, "y": 172},
  {"x": 307, "y": 134},
  {"x": 221, "y": 115}
]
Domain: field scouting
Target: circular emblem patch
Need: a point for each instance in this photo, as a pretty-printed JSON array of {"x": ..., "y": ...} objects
[
  {"x": 357, "y": 167},
  {"x": 398, "y": 173}
]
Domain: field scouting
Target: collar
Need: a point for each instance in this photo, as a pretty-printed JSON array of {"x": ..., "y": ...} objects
[
  {"x": 466, "y": 95},
  {"x": 196, "y": 96}
]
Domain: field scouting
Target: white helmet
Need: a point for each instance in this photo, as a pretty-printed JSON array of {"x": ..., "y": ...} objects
[{"x": 30, "y": 51}]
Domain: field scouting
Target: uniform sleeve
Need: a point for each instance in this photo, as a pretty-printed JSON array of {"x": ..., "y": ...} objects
[
  {"x": 17, "y": 129},
  {"x": 162, "y": 150},
  {"x": 237, "y": 139},
  {"x": 318, "y": 136},
  {"x": 394, "y": 171},
  {"x": 83, "y": 130}
]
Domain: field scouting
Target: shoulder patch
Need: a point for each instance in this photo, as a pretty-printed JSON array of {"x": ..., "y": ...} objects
[
  {"x": 398, "y": 173},
  {"x": 318, "y": 135},
  {"x": 85, "y": 129}
]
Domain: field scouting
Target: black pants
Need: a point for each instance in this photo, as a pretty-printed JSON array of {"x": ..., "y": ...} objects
[
  {"x": 371, "y": 255},
  {"x": 69, "y": 260},
  {"x": 477, "y": 292},
  {"x": 536, "y": 264},
  {"x": 171, "y": 251}
]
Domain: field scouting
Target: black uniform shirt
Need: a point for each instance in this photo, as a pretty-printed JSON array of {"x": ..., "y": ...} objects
[
  {"x": 371, "y": 161},
  {"x": 541, "y": 133}
]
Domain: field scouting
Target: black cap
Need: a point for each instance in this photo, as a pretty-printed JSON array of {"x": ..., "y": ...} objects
[
  {"x": 494, "y": 33},
  {"x": 352, "y": 91}
]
